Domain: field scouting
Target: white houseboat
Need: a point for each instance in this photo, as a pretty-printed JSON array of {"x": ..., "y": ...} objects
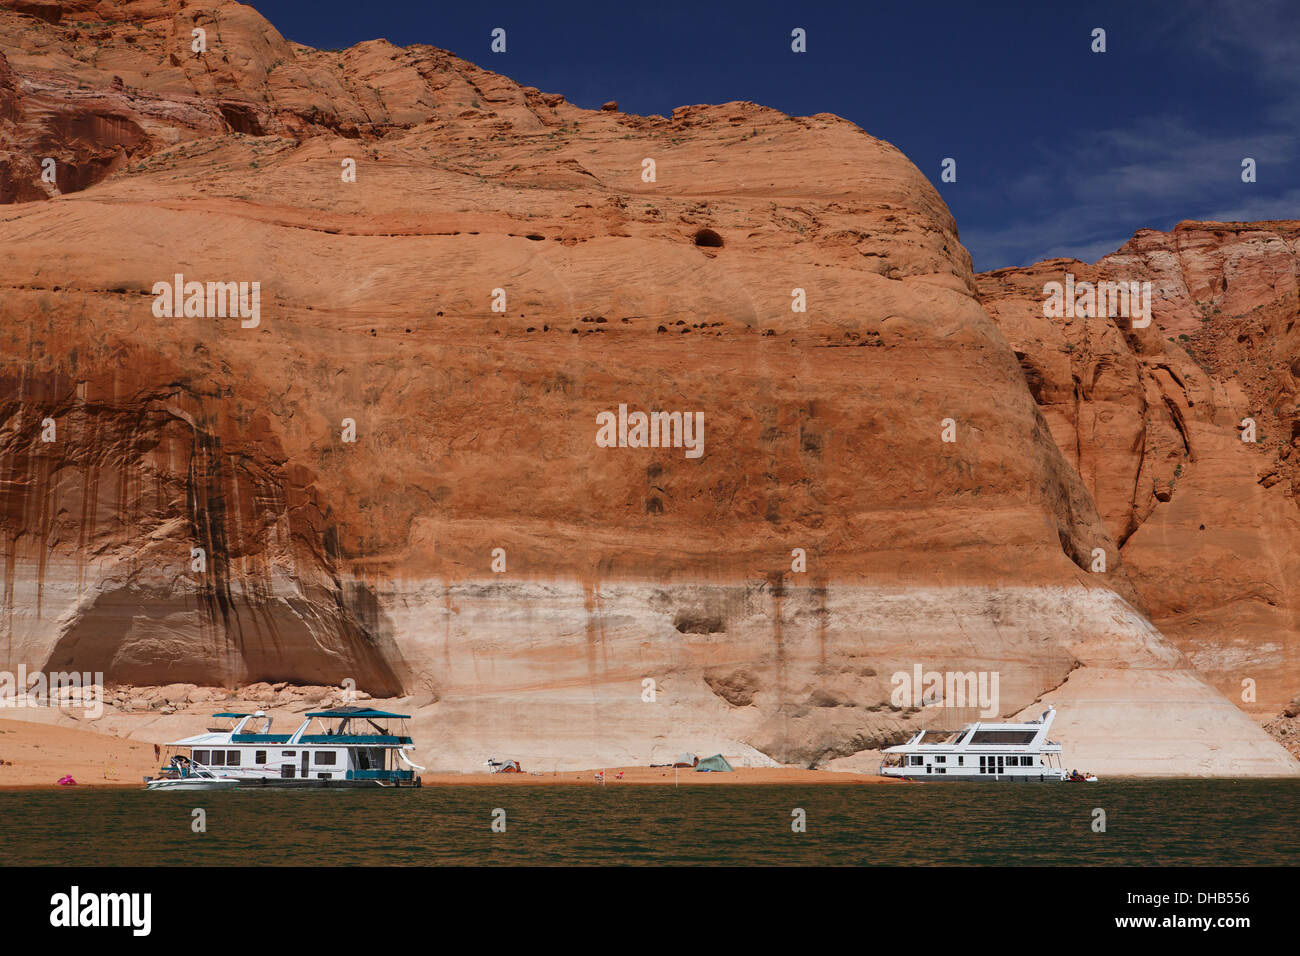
[
  {"x": 1015, "y": 753},
  {"x": 351, "y": 747}
]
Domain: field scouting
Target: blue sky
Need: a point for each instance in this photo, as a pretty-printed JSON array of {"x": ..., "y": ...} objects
[{"x": 1060, "y": 151}]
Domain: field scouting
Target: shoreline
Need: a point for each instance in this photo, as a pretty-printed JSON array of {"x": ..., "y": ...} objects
[
  {"x": 632, "y": 777},
  {"x": 35, "y": 755},
  {"x": 659, "y": 777}
]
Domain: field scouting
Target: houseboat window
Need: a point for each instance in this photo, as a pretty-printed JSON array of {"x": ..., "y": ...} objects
[
  {"x": 286, "y": 770},
  {"x": 961, "y": 761},
  {"x": 326, "y": 758},
  {"x": 259, "y": 757},
  {"x": 372, "y": 758},
  {"x": 288, "y": 753},
  {"x": 917, "y": 760},
  {"x": 1004, "y": 737},
  {"x": 218, "y": 758},
  {"x": 940, "y": 759},
  {"x": 201, "y": 756},
  {"x": 232, "y": 758}
]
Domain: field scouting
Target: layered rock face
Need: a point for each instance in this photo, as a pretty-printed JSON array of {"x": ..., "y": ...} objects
[
  {"x": 1154, "y": 418},
  {"x": 390, "y": 472}
]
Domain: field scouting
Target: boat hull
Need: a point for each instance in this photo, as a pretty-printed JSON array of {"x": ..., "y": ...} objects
[
  {"x": 977, "y": 778},
  {"x": 283, "y": 783},
  {"x": 193, "y": 783}
]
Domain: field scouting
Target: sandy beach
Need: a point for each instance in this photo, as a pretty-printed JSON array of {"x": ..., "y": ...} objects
[
  {"x": 659, "y": 776},
  {"x": 36, "y": 755}
]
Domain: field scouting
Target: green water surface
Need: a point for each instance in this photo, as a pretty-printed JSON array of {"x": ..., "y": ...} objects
[{"x": 1180, "y": 822}]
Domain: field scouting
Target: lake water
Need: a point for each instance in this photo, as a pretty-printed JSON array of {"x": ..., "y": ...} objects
[{"x": 1184, "y": 822}]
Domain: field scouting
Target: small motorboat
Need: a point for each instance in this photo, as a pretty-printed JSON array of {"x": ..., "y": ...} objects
[{"x": 181, "y": 773}]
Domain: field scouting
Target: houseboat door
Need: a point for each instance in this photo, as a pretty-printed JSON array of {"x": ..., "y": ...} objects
[{"x": 305, "y": 757}]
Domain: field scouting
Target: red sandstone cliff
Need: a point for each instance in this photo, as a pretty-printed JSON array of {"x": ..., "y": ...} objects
[
  {"x": 475, "y": 429},
  {"x": 1152, "y": 419}
]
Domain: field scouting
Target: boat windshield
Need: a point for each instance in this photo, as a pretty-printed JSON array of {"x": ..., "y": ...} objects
[
  {"x": 180, "y": 767},
  {"x": 363, "y": 726},
  {"x": 941, "y": 736},
  {"x": 258, "y": 723},
  {"x": 223, "y": 723}
]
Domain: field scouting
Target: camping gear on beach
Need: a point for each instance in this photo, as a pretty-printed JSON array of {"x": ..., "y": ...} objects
[
  {"x": 504, "y": 766},
  {"x": 715, "y": 764},
  {"x": 686, "y": 760}
]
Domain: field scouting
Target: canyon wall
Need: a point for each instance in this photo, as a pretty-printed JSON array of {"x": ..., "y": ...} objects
[
  {"x": 181, "y": 499},
  {"x": 1153, "y": 420}
]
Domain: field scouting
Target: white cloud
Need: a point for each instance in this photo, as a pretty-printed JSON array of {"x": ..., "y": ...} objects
[{"x": 1154, "y": 171}]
